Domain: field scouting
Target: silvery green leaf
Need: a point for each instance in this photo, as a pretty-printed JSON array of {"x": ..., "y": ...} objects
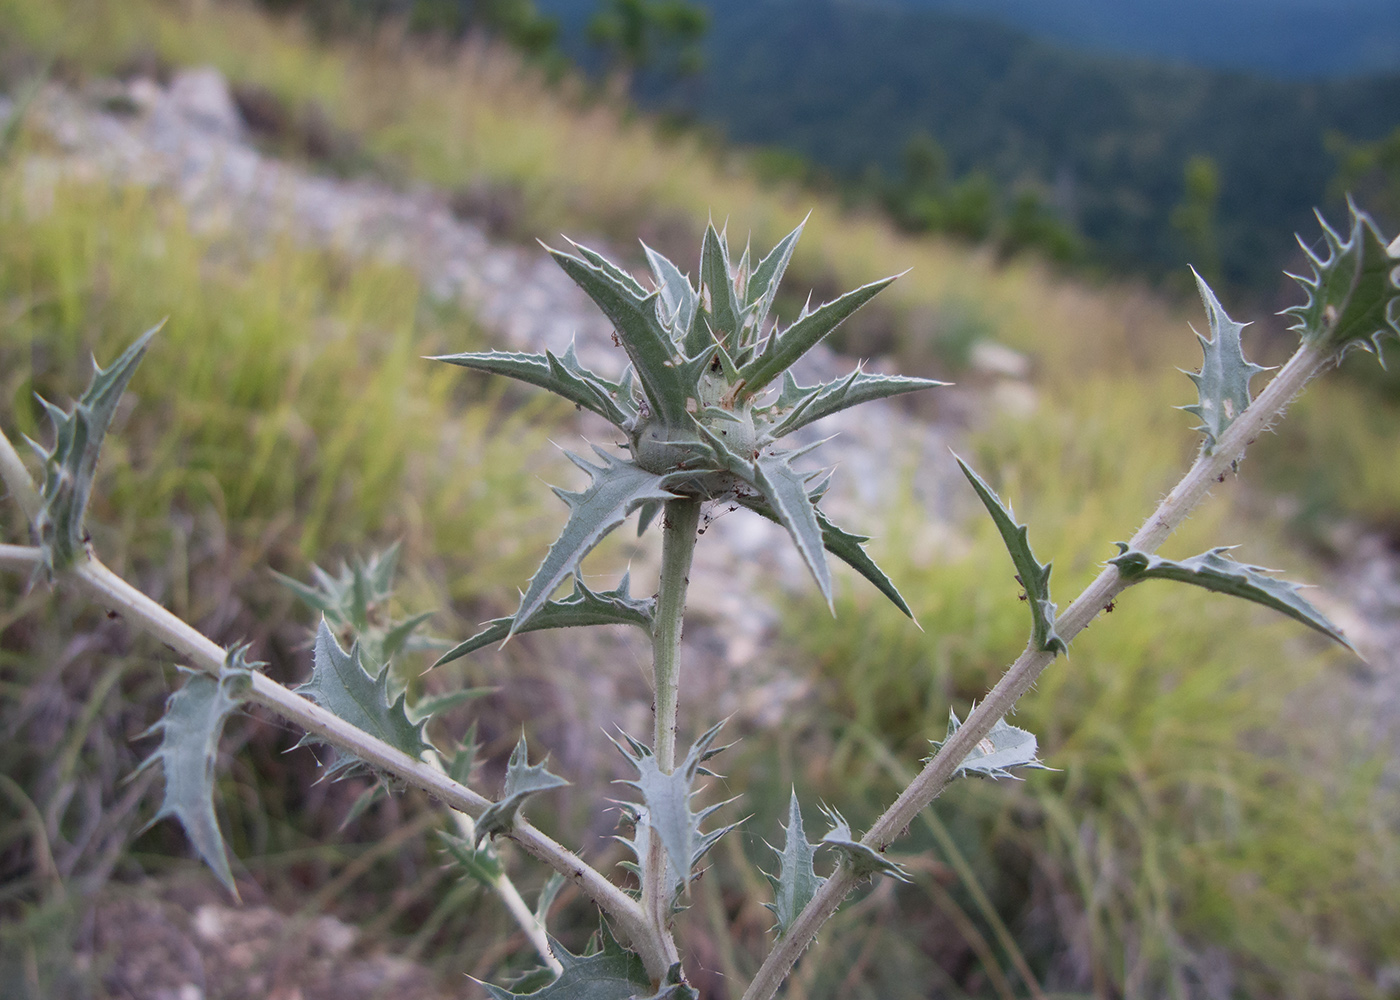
[
  {"x": 376, "y": 791},
  {"x": 844, "y": 545},
  {"x": 355, "y": 601},
  {"x": 648, "y": 344},
  {"x": 763, "y": 283},
  {"x": 582, "y": 607},
  {"x": 340, "y": 685},
  {"x": 782, "y": 349},
  {"x": 796, "y": 882},
  {"x": 425, "y": 708},
  {"x": 71, "y": 465},
  {"x": 562, "y": 376},
  {"x": 717, "y": 290},
  {"x": 1223, "y": 382},
  {"x": 1003, "y": 748},
  {"x": 1214, "y": 570},
  {"x": 618, "y": 276},
  {"x": 646, "y": 515},
  {"x": 1352, "y": 294},
  {"x": 666, "y": 804},
  {"x": 808, "y": 404},
  {"x": 863, "y": 860},
  {"x": 523, "y": 779},
  {"x": 618, "y": 488},
  {"x": 785, "y": 490},
  {"x": 346, "y": 598},
  {"x": 549, "y": 892},
  {"x": 608, "y": 974},
  {"x": 1034, "y": 576},
  {"x": 189, "y": 748},
  {"x": 679, "y": 301},
  {"x": 479, "y": 861}
]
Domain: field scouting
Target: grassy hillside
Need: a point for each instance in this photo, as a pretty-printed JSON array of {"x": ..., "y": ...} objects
[{"x": 1202, "y": 824}]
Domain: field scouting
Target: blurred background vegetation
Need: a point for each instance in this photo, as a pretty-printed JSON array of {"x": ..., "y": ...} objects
[{"x": 1213, "y": 828}]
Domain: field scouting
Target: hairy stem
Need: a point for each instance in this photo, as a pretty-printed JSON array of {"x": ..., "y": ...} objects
[
  {"x": 1019, "y": 678},
  {"x": 107, "y": 589},
  {"x": 682, "y": 518},
  {"x": 531, "y": 925},
  {"x": 679, "y": 524}
]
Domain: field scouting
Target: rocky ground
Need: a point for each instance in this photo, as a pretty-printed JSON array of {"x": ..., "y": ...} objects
[{"x": 189, "y": 137}]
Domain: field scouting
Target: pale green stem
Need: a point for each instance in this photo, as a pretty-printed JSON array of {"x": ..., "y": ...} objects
[
  {"x": 531, "y": 924},
  {"x": 102, "y": 584},
  {"x": 680, "y": 520},
  {"x": 1021, "y": 676},
  {"x": 107, "y": 589}
]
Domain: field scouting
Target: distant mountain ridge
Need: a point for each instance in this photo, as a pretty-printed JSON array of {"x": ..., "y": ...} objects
[
  {"x": 1287, "y": 39},
  {"x": 847, "y": 83}
]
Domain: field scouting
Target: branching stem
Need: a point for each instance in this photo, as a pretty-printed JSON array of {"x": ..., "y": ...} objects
[
  {"x": 1018, "y": 679},
  {"x": 679, "y": 524},
  {"x": 107, "y": 589}
]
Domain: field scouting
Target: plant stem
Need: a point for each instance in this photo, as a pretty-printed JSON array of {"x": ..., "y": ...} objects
[
  {"x": 1022, "y": 675},
  {"x": 107, "y": 589},
  {"x": 504, "y": 887},
  {"x": 680, "y": 520}
]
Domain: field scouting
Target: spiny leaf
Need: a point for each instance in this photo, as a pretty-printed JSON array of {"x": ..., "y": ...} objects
[
  {"x": 189, "y": 748},
  {"x": 71, "y": 465},
  {"x": 376, "y": 791},
  {"x": 1223, "y": 382},
  {"x": 796, "y": 882},
  {"x": 808, "y": 404},
  {"x": 562, "y": 376},
  {"x": 523, "y": 779},
  {"x": 782, "y": 349},
  {"x": 667, "y": 801},
  {"x": 1352, "y": 293},
  {"x": 763, "y": 283},
  {"x": 425, "y": 708},
  {"x": 639, "y": 844},
  {"x": 356, "y": 600},
  {"x": 1214, "y": 570},
  {"x": 340, "y": 685},
  {"x": 679, "y": 301},
  {"x": 1034, "y": 576},
  {"x": 785, "y": 490},
  {"x": 863, "y": 860},
  {"x": 608, "y": 974},
  {"x": 844, "y": 545},
  {"x": 646, "y": 341},
  {"x": 646, "y": 515},
  {"x": 623, "y": 279},
  {"x": 549, "y": 892},
  {"x": 582, "y": 607},
  {"x": 479, "y": 861},
  {"x": 618, "y": 488},
  {"x": 1004, "y": 747},
  {"x": 717, "y": 290}
]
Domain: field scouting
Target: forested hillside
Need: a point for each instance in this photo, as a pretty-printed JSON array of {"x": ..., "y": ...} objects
[
  {"x": 1105, "y": 142},
  {"x": 1288, "y": 39}
]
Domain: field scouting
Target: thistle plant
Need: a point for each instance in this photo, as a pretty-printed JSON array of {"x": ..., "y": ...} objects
[{"x": 701, "y": 410}]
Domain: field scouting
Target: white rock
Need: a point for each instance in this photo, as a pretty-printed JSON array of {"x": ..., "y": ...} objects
[{"x": 202, "y": 97}]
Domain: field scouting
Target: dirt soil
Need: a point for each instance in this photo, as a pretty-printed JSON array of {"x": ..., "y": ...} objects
[{"x": 191, "y": 942}]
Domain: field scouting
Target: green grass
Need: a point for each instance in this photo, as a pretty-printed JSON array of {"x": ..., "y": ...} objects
[
  {"x": 1200, "y": 808},
  {"x": 283, "y": 413},
  {"x": 282, "y": 416}
]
